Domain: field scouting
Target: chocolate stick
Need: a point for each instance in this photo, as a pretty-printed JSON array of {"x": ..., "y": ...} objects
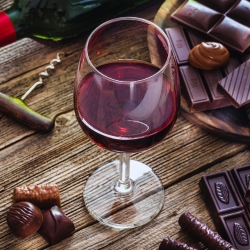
[
  {"x": 44, "y": 196},
  {"x": 203, "y": 233},
  {"x": 171, "y": 244}
]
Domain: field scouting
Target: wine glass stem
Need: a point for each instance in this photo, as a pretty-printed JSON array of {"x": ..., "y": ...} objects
[{"x": 124, "y": 185}]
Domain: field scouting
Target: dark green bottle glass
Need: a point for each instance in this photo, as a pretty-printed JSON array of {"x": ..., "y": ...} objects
[{"x": 56, "y": 20}]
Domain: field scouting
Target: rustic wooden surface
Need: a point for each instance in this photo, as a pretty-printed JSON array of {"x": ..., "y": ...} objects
[
  {"x": 229, "y": 122},
  {"x": 66, "y": 157}
]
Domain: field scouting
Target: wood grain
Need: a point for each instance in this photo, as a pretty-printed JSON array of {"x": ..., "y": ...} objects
[{"x": 65, "y": 156}]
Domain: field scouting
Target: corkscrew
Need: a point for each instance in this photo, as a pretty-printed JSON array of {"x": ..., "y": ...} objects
[{"x": 18, "y": 110}]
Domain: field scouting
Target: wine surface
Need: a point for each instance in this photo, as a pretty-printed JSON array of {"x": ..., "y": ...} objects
[{"x": 126, "y": 116}]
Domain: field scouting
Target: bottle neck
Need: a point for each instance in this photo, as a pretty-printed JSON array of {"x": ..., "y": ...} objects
[{"x": 7, "y": 31}]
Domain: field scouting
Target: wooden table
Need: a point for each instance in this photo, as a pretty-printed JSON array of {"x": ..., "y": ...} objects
[{"x": 66, "y": 156}]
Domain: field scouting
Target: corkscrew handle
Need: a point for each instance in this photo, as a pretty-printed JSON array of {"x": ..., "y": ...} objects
[{"x": 17, "y": 109}]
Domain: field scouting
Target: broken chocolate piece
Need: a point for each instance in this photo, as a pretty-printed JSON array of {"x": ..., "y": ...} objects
[
  {"x": 43, "y": 196},
  {"x": 237, "y": 85},
  {"x": 203, "y": 233},
  {"x": 171, "y": 244},
  {"x": 199, "y": 97},
  {"x": 227, "y": 22},
  {"x": 24, "y": 219},
  {"x": 56, "y": 225}
]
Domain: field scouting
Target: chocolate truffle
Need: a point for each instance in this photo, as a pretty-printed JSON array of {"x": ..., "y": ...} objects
[
  {"x": 208, "y": 56},
  {"x": 24, "y": 219},
  {"x": 56, "y": 225}
]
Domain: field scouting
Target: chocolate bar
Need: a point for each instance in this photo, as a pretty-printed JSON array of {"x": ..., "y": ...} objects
[
  {"x": 227, "y": 22},
  {"x": 224, "y": 194},
  {"x": 200, "y": 86},
  {"x": 237, "y": 85}
]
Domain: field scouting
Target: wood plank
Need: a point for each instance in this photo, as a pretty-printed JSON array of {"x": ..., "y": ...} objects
[
  {"x": 67, "y": 157},
  {"x": 33, "y": 161},
  {"x": 184, "y": 196}
]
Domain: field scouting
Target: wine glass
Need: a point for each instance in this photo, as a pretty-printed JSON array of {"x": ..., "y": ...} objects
[{"x": 126, "y": 100}]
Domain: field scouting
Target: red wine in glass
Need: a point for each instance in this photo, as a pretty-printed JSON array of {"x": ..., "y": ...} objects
[
  {"x": 127, "y": 117},
  {"x": 126, "y": 100}
]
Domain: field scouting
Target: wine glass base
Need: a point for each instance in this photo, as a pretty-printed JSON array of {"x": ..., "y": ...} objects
[{"x": 129, "y": 210}]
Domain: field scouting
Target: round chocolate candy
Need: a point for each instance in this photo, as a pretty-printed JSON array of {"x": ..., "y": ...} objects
[
  {"x": 208, "y": 56},
  {"x": 24, "y": 219}
]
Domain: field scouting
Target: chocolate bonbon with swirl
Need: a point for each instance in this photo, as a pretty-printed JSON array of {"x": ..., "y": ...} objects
[
  {"x": 208, "y": 56},
  {"x": 24, "y": 219}
]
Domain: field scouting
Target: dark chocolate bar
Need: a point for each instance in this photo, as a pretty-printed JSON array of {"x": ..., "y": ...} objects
[
  {"x": 227, "y": 22},
  {"x": 224, "y": 194},
  {"x": 237, "y": 85},
  {"x": 200, "y": 85}
]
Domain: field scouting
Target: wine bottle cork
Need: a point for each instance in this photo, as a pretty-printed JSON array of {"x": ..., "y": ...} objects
[{"x": 43, "y": 196}]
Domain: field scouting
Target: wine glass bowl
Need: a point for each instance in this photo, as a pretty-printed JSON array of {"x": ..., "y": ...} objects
[{"x": 126, "y": 99}]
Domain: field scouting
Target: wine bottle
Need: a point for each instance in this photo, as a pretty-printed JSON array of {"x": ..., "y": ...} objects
[{"x": 56, "y": 20}]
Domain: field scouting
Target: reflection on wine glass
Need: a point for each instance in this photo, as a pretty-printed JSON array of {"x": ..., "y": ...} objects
[{"x": 126, "y": 99}]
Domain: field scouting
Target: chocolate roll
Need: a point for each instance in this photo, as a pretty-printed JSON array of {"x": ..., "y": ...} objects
[
  {"x": 56, "y": 225},
  {"x": 24, "y": 219},
  {"x": 171, "y": 244},
  {"x": 43, "y": 196},
  {"x": 203, "y": 233}
]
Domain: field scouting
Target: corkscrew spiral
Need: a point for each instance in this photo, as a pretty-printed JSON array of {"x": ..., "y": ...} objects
[{"x": 43, "y": 74}]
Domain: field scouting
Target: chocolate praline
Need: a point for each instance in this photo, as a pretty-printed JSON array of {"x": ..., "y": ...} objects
[
  {"x": 24, "y": 219},
  {"x": 56, "y": 225}
]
